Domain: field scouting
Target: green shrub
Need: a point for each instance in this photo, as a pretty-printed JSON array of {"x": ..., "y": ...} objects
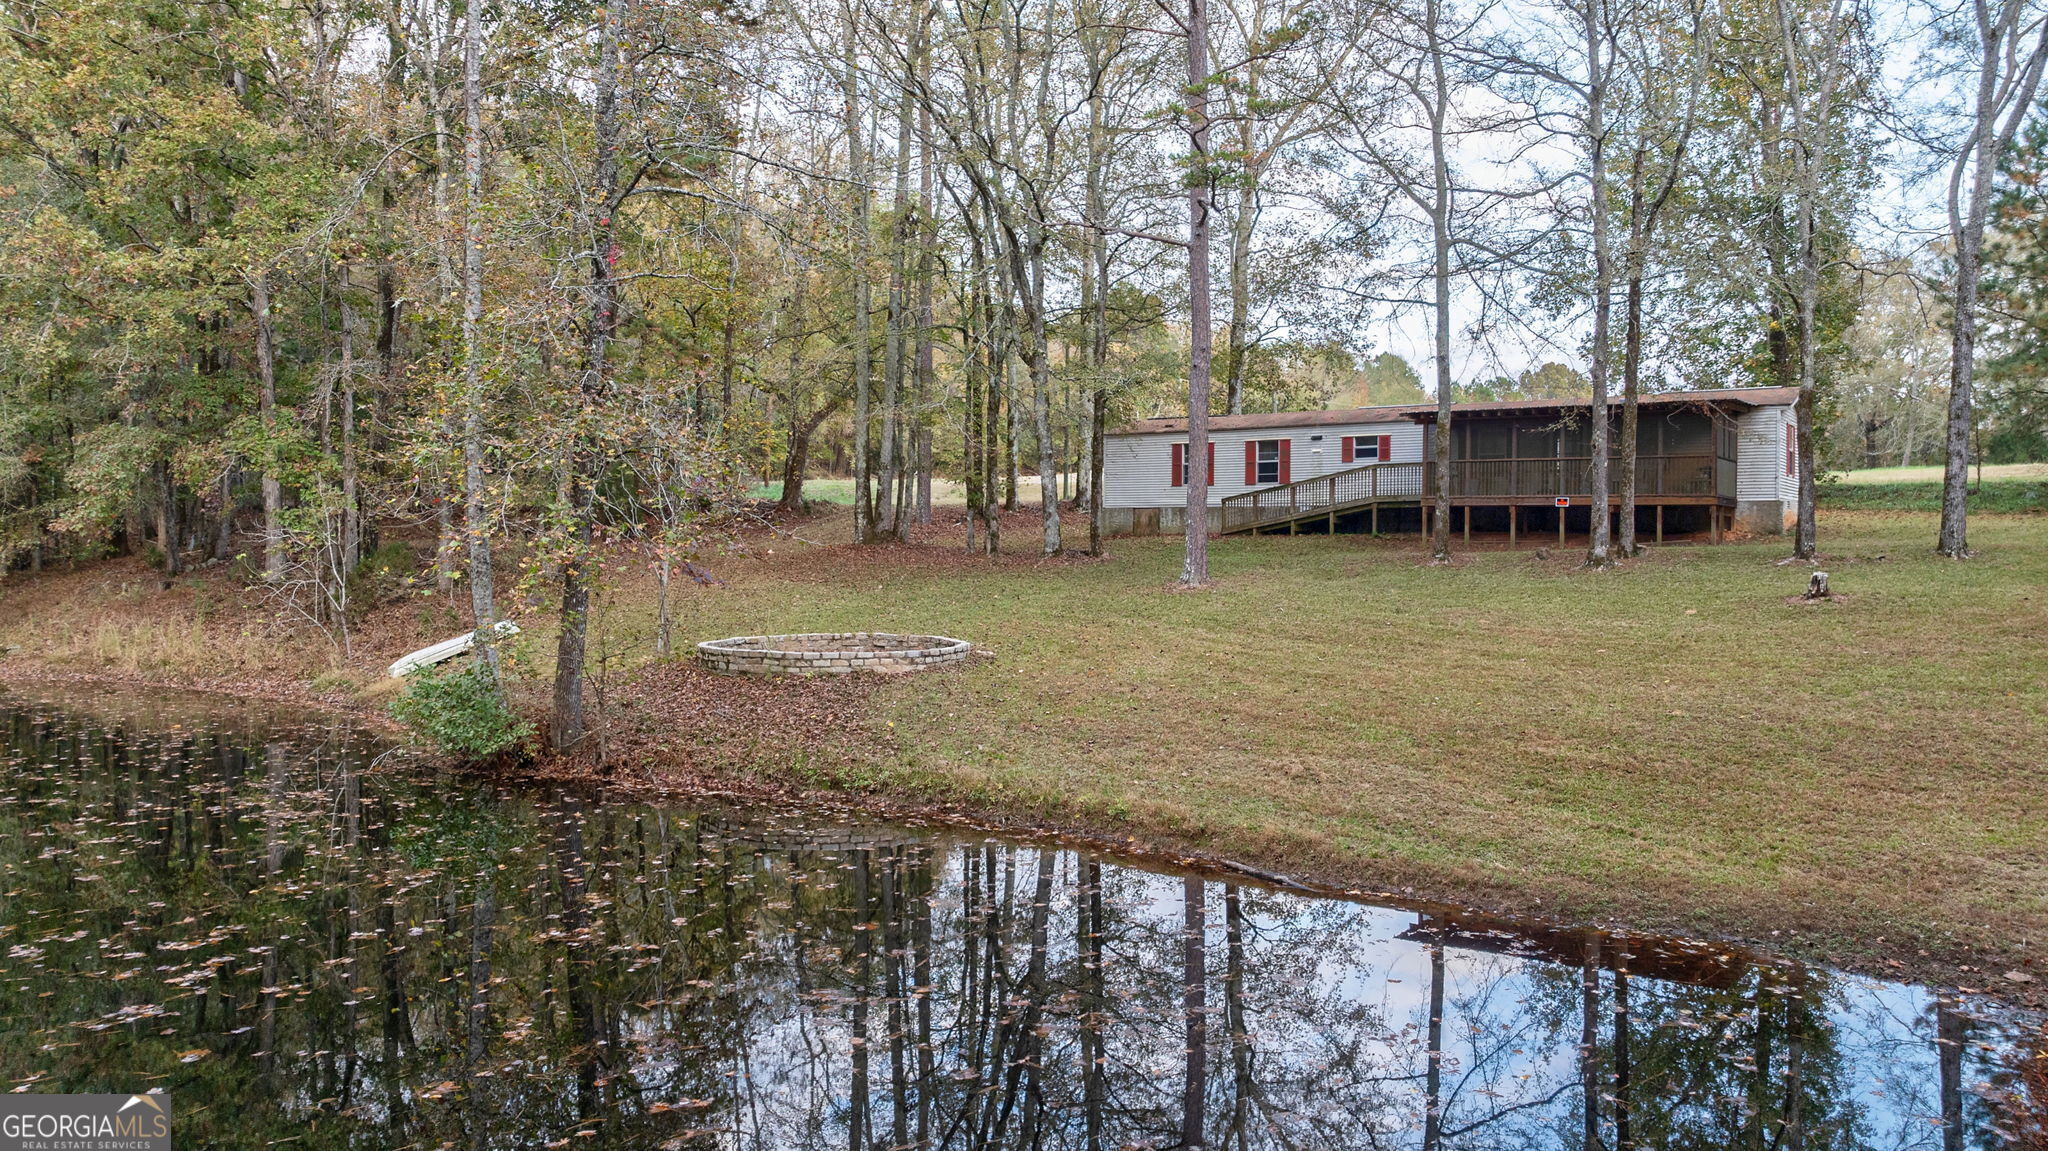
[{"x": 459, "y": 713}]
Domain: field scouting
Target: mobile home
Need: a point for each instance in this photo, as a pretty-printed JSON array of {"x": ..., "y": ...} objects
[{"x": 1706, "y": 462}]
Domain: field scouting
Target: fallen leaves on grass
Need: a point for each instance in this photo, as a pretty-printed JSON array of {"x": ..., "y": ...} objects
[{"x": 683, "y": 726}]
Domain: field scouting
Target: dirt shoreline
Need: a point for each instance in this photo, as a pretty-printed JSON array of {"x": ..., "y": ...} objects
[{"x": 644, "y": 772}]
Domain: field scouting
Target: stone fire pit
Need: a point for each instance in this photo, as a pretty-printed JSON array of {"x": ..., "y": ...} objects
[{"x": 829, "y": 653}]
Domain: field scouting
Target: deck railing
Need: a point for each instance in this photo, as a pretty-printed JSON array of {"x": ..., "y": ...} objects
[
  {"x": 1677, "y": 475},
  {"x": 1373, "y": 482}
]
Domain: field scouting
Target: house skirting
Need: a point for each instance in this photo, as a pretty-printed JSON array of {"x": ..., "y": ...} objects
[
  {"x": 1764, "y": 517},
  {"x": 1153, "y": 521},
  {"x": 1532, "y": 516}
]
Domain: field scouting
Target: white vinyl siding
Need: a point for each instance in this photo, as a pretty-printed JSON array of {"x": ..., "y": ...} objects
[
  {"x": 1760, "y": 456},
  {"x": 1136, "y": 468}
]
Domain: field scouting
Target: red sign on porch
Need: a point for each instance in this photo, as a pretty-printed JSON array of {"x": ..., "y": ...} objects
[{"x": 1563, "y": 501}]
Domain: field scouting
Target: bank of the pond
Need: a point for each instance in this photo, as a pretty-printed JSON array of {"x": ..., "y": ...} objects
[{"x": 1671, "y": 747}]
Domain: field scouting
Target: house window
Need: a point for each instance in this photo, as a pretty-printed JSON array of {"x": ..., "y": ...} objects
[
  {"x": 1266, "y": 463},
  {"x": 1791, "y": 449},
  {"x": 1366, "y": 449},
  {"x": 1178, "y": 476}
]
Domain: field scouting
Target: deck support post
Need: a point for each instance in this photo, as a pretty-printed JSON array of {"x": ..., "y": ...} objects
[
  {"x": 1514, "y": 515},
  {"x": 1292, "y": 525},
  {"x": 1333, "y": 522},
  {"x": 1714, "y": 522},
  {"x": 1560, "y": 526},
  {"x": 1468, "y": 523},
  {"x": 1660, "y": 525},
  {"x": 1375, "y": 519}
]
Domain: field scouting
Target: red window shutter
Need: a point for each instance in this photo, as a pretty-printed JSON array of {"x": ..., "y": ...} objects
[
  {"x": 1286, "y": 456},
  {"x": 1180, "y": 455},
  {"x": 1251, "y": 462},
  {"x": 1350, "y": 449},
  {"x": 1212, "y": 463},
  {"x": 1791, "y": 450},
  {"x": 1386, "y": 448}
]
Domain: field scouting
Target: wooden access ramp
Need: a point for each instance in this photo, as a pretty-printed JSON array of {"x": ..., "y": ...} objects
[{"x": 1323, "y": 498}]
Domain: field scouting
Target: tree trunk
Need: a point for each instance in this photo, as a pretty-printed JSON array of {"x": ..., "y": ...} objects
[
  {"x": 1041, "y": 397},
  {"x": 1589, "y": 1046},
  {"x": 1966, "y": 231},
  {"x": 266, "y": 402},
  {"x": 1624, "y": 1136},
  {"x": 1098, "y": 412},
  {"x": 927, "y": 273},
  {"x": 351, "y": 512},
  {"x": 894, "y": 463},
  {"x": 1094, "y": 1004},
  {"x": 224, "y": 527},
  {"x": 1195, "y": 564},
  {"x": 1442, "y": 204},
  {"x": 1951, "y": 1032},
  {"x": 167, "y": 521},
  {"x": 857, "y": 257},
  {"x": 1631, "y": 391},
  {"x": 1013, "y": 450},
  {"x": 1194, "y": 1009},
  {"x": 1598, "y": 551},
  {"x": 1804, "y": 543},
  {"x": 476, "y": 527},
  {"x": 568, "y": 726},
  {"x": 797, "y": 461},
  {"x": 1236, "y": 1019},
  {"x": 1241, "y": 224},
  {"x": 1433, "y": 1072}
]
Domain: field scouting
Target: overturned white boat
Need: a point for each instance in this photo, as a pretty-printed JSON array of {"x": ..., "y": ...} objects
[{"x": 447, "y": 649}]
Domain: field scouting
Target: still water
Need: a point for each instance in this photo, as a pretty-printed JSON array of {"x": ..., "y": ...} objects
[{"x": 308, "y": 941}]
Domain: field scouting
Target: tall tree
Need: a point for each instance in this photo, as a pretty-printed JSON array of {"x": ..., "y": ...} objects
[
  {"x": 477, "y": 529},
  {"x": 1816, "y": 67},
  {"x": 1666, "y": 55},
  {"x": 1201, "y": 185},
  {"x": 2011, "y": 38}
]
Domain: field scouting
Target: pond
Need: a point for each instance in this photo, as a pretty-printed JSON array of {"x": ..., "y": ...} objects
[{"x": 307, "y": 940}]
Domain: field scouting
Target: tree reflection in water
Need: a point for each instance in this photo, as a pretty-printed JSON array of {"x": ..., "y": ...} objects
[{"x": 304, "y": 942}]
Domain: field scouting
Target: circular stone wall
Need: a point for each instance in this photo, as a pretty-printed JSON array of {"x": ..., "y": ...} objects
[{"x": 829, "y": 653}]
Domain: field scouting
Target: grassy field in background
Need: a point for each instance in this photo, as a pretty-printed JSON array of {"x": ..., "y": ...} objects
[
  {"x": 1932, "y": 474},
  {"x": 1673, "y": 743},
  {"x": 2009, "y": 489}
]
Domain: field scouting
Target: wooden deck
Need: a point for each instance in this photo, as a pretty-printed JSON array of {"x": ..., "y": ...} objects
[{"x": 1667, "y": 480}]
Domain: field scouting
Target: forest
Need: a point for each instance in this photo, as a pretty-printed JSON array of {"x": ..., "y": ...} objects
[{"x": 283, "y": 279}]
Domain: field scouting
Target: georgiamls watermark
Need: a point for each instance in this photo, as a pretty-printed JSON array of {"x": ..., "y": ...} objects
[{"x": 85, "y": 1122}]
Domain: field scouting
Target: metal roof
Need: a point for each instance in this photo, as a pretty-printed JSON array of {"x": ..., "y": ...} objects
[
  {"x": 1396, "y": 413},
  {"x": 1392, "y": 414}
]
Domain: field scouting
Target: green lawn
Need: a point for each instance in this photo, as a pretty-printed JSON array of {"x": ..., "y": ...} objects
[{"x": 1673, "y": 742}]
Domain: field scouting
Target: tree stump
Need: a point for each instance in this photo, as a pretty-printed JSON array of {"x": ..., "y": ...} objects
[{"x": 1817, "y": 586}]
